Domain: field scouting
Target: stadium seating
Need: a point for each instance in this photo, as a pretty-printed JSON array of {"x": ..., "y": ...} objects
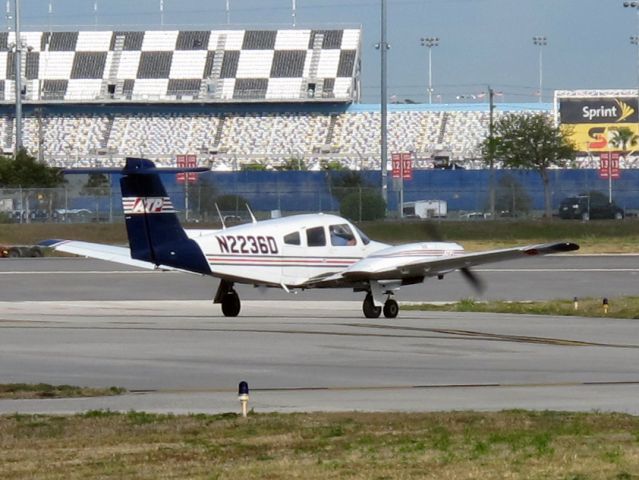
[
  {"x": 352, "y": 137},
  {"x": 270, "y": 138},
  {"x": 175, "y": 87}
]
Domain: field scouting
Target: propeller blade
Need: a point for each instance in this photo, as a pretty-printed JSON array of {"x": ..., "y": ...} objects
[
  {"x": 432, "y": 231},
  {"x": 476, "y": 282}
]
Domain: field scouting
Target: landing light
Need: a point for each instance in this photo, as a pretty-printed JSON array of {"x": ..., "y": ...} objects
[{"x": 243, "y": 396}]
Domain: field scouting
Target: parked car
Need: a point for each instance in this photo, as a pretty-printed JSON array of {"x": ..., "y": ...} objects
[
  {"x": 474, "y": 215},
  {"x": 594, "y": 205}
]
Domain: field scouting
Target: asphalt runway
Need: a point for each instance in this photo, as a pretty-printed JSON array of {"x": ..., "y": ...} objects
[
  {"x": 535, "y": 278},
  {"x": 304, "y": 356},
  {"x": 172, "y": 349}
]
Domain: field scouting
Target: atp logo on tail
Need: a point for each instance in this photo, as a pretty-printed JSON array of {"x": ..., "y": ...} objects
[{"x": 137, "y": 205}]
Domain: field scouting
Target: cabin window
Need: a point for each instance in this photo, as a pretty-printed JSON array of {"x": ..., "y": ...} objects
[
  {"x": 315, "y": 237},
  {"x": 363, "y": 236},
  {"x": 292, "y": 238},
  {"x": 341, "y": 235}
]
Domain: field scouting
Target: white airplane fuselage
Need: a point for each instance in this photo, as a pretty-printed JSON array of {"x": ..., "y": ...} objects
[
  {"x": 297, "y": 252},
  {"x": 291, "y": 251}
]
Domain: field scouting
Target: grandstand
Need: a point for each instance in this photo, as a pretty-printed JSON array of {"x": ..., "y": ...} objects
[
  {"x": 232, "y": 97},
  {"x": 184, "y": 66},
  {"x": 100, "y": 136}
]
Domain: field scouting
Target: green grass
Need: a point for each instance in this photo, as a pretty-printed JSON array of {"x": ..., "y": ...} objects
[
  {"x": 44, "y": 390},
  {"x": 594, "y": 237},
  {"x": 621, "y": 307},
  {"x": 355, "y": 445},
  {"x": 28, "y": 234}
]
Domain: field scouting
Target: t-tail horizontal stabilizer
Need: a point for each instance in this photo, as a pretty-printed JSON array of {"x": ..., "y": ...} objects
[{"x": 155, "y": 233}]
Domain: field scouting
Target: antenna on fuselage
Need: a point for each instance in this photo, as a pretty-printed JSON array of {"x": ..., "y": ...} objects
[
  {"x": 220, "y": 215},
  {"x": 251, "y": 213}
]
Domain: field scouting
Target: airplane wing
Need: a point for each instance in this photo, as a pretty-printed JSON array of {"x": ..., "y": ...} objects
[
  {"x": 100, "y": 251},
  {"x": 394, "y": 266}
]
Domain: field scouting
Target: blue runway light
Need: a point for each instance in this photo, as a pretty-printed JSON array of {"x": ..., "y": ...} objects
[{"x": 243, "y": 388}]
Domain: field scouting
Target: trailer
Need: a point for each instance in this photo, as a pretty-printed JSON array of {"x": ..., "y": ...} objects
[{"x": 425, "y": 209}]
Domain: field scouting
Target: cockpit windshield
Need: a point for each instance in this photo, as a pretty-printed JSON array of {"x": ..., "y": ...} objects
[
  {"x": 341, "y": 235},
  {"x": 363, "y": 236}
]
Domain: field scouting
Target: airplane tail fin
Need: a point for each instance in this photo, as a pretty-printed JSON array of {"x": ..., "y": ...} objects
[{"x": 154, "y": 230}]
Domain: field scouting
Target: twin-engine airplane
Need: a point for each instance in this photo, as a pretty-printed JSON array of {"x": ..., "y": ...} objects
[{"x": 297, "y": 252}]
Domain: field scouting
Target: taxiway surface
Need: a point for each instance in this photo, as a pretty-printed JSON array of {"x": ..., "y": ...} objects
[
  {"x": 182, "y": 356},
  {"x": 535, "y": 278}
]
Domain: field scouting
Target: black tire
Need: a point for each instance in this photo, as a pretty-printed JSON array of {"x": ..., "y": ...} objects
[
  {"x": 14, "y": 253},
  {"x": 35, "y": 252},
  {"x": 391, "y": 308},
  {"x": 369, "y": 308},
  {"x": 231, "y": 304}
]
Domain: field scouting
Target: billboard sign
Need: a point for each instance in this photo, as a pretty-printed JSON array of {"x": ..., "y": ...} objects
[
  {"x": 598, "y": 110},
  {"x": 590, "y": 122},
  {"x": 402, "y": 164},
  {"x": 609, "y": 165}
]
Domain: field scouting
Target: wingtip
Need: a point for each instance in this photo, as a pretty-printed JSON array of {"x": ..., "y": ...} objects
[
  {"x": 567, "y": 247},
  {"x": 547, "y": 248},
  {"x": 52, "y": 242}
]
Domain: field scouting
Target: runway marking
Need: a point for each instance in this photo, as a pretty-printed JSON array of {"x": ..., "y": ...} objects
[
  {"x": 501, "y": 337},
  {"x": 355, "y": 388},
  {"x": 506, "y": 337},
  {"x": 442, "y": 334}
]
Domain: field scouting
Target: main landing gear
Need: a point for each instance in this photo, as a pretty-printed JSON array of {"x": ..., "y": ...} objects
[
  {"x": 231, "y": 304},
  {"x": 391, "y": 308},
  {"x": 228, "y": 297}
]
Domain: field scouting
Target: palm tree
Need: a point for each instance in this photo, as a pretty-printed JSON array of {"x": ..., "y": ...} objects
[{"x": 623, "y": 137}]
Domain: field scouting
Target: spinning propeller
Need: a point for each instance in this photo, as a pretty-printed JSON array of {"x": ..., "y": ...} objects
[{"x": 433, "y": 233}]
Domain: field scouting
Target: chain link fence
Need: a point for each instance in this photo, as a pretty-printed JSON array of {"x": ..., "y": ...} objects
[{"x": 450, "y": 195}]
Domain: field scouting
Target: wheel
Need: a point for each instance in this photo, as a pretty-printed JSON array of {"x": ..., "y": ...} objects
[
  {"x": 231, "y": 304},
  {"x": 585, "y": 216},
  {"x": 35, "y": 252},
  {"x": 14, "y": 253},
  {"x": 369, "y": 308},
  {"x": 391, "y": 308},
  {"x": 618, "y": 216}
]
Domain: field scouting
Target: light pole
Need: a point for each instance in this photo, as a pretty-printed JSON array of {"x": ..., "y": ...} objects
[
  {"x": 430, "y": 42},
  {"x": 294, "y": 11},
  {"x": 634, "y": 39},
  {"x": 19, "y": 47},
  {"x": 383, "y": 46},
  {"x": 541, "y": 41}
]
